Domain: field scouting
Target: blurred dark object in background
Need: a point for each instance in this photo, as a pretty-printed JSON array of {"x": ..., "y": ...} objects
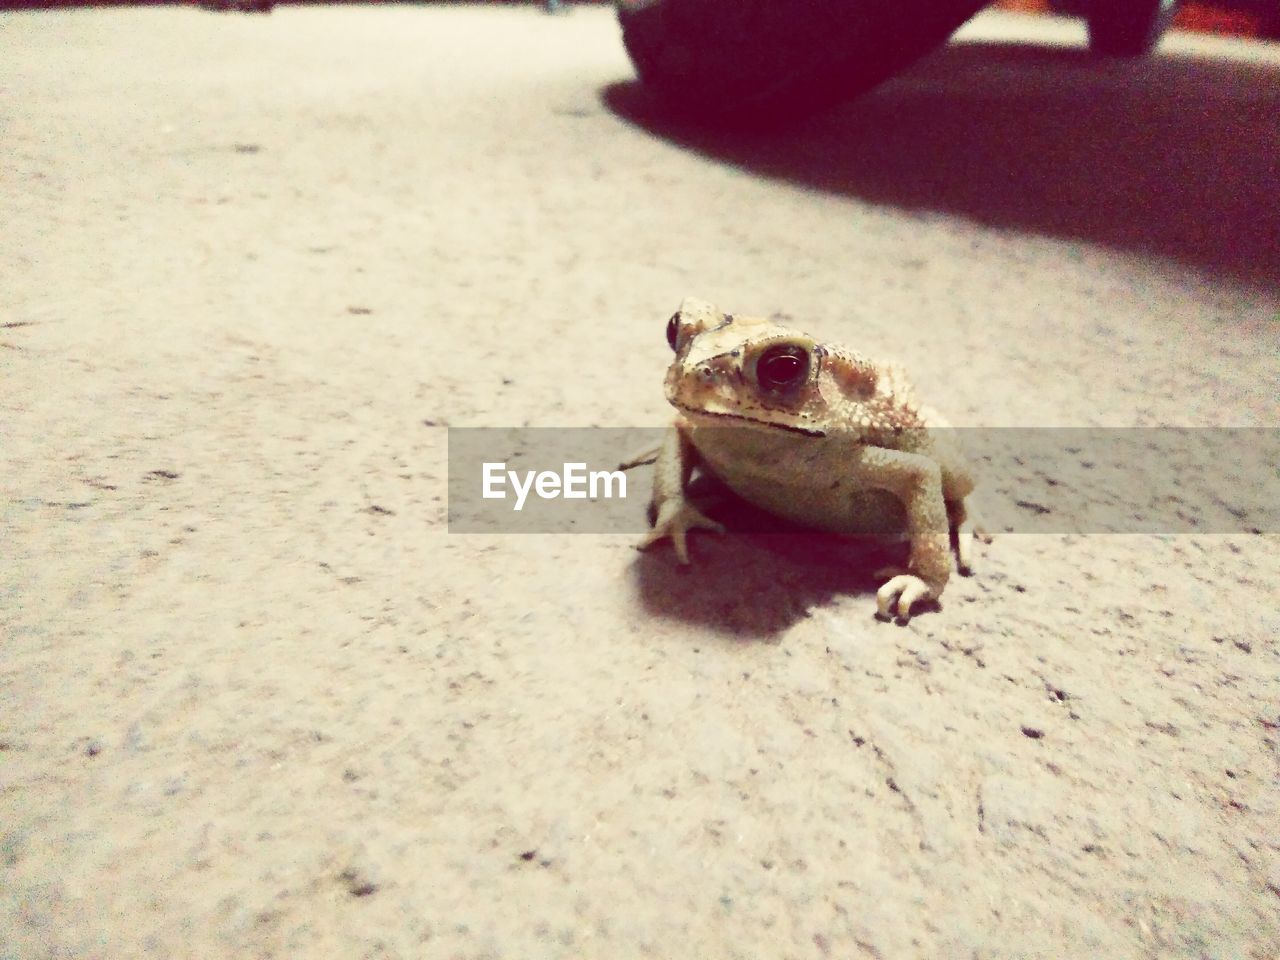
[
  {"x": 1127, "y": 28},
  {"x": 732, "y": 62},
  {"x": 763, "y": 61}
]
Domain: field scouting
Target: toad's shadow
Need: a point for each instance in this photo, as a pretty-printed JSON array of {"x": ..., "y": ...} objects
[
  {"x": 762, "y": 575},
  {"x": 1172, "y": 155}
]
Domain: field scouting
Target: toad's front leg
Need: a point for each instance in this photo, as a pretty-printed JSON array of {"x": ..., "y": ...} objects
[
  {"x": 676, "y": 516},
  {"x": 915, "y": 480}
]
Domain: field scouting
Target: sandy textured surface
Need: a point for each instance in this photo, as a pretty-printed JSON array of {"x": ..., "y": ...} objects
[{"x": 247, "y": 260}]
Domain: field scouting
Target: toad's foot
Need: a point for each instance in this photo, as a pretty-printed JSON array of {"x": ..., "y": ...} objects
[
  {"x": 676, "y": 517},
  {"x": 907, "y": 589},
  {"x": 640, "y": 459}
]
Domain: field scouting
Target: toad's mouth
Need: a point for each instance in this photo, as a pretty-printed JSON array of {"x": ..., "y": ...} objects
[{"x": 741, "y": 418}]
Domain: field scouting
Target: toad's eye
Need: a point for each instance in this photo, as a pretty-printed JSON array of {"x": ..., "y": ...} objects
[
  {"x": 783, "y": 367},
  {"x": 673, "y": 329}
]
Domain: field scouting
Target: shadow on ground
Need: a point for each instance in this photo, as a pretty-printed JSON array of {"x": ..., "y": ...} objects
[
  {"x": 1173, "y": 155},
  {"x": 763, "y": 575}
]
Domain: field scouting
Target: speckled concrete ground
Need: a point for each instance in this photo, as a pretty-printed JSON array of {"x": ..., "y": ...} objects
[{"x": 244, "y": 714}]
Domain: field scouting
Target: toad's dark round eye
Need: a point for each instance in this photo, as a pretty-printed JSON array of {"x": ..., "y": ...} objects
[
  {"x": 673, "y": 329},
  {"x": 783, "y": 367}
]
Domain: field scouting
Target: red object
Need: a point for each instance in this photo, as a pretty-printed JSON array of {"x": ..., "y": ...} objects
[
  {"x": 1209, "y": 19},
  {"x": 1200, "y": 17}
]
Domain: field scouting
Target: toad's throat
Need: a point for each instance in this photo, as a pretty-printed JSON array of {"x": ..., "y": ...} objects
[{"x": 740, "y": 418}]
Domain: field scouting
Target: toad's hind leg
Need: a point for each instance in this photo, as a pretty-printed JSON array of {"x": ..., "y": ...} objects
[
  {"x": 967, "y": 528},
  {"x": 957, "y": 485}
]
